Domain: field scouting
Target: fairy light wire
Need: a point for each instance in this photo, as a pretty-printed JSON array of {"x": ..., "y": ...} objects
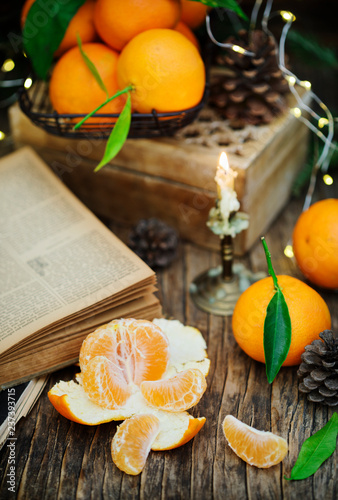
[
  {"x": 324, "y": 160},
  {"x": 232, "y": 46}
]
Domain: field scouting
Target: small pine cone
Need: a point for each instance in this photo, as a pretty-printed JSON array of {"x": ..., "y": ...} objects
[
  {"x": 252, "y": 90},
  {"x": 154, "y": 242},
  {"x": 319, "y": 370}
]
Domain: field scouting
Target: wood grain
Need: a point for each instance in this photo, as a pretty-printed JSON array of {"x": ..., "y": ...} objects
[{"x": 59, "y": 459}]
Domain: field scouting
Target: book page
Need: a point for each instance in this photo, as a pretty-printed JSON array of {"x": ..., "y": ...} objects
[{"x": 56, "y": 257}]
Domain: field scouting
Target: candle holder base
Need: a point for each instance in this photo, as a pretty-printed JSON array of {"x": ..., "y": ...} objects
[{"x": 211, "y": 293}]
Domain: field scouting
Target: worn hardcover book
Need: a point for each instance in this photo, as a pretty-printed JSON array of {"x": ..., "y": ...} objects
[{"x": 63, "y": 273}]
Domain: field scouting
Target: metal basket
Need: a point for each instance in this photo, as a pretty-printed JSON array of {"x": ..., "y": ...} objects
[{"x": 36, "y": 105}]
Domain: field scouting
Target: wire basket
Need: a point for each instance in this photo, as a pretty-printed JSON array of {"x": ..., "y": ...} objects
[{"x": 36, "y": 105}]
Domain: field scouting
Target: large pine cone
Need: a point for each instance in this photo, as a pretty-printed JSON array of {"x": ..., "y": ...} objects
[
  {"x": 319, "y": 370},
  {"x": 252, "y": 90}
]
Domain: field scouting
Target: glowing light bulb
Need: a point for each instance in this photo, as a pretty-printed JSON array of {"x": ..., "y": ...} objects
[
  {"x": 327, "y": 179},
  {"x": 296, "y": 112},
  {"x": 306, "y": 84},
  {"x": 28, "y": 83},
  {"x": 2, "y": 135},
  {"x": 287, "y": 16},
  {"x": 291, "y": 80},
  {"x": 288, "y": 251},
  {"x": 237, "y": 48},
  {"x": 8, "y": 65},
  {"x": 322, "y": 122}
]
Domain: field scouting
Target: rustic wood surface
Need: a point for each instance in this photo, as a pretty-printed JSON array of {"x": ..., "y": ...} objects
[{"x": 59, "y": 459}]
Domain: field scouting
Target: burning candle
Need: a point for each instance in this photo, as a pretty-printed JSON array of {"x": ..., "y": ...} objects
[{"x": 225, "y": 176}]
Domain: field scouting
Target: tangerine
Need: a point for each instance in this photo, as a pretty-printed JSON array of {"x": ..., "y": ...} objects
[
  {"x": 315, "y": 243},
  {"x": 165, "y": 69},
  {"x": 183, "y": 28},
  {"x": 118, "y": 21},
  {"x": 259, "y": 448},
  {"x": 74, "y": 90},
  {"x": 81, "y": 23},
  {"x": 308, "y": 311},
  {"x": 128, "y": 353},
  {"x": 193, "y": 13}
]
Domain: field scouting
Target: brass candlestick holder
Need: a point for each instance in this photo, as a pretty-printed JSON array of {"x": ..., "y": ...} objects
[{"x": 217, "y": 290}]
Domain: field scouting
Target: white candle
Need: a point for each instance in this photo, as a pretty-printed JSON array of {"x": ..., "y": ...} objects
[{"x": 225, "y": 176}]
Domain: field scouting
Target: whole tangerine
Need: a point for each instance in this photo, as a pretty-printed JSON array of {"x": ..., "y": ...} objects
[
  {"x": 193, "y": 13},
  {"x": 315, "y": 243},
  {"x": 183, "y": 28},
  {"x": 81, "y": 23},
  {"x": 165, "y": 69},
  {"x": 74, "y": 90},
  {"x": 118, "y": 21},
  {"x": 308, "y": 311}
]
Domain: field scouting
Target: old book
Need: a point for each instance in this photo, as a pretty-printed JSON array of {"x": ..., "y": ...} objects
[
  {"x": 15, "y": 403},
  {"x": 62, "y": 272}
]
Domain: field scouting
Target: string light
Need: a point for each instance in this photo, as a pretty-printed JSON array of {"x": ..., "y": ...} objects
[
  {"x": 232, "y": 46},
  {"x": 8, "y": 65},
  {"x": 301, "y": 106},
  {"x": 287, "y": 16},
  {"x": 327, "y": 179},
  {"x": 288, "y": 251},
  {"x": 28, "y": 83},
  {"x": 2, "y": 135},
  {"x": 322, "y": 122}
]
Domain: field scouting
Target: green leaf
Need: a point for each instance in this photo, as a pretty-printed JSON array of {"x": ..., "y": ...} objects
[
  {"x": 120, "y": 92},
  {"x": 315, "y": 450},
  {"x": 118, "y": 135},
  {"x": 91, "y": 66},
  {"x": 277, "y": 326},
  {"x": 44, "y": 29},
  {"x": 226, "y": 4},
  {"x": 277, "y": 334}
]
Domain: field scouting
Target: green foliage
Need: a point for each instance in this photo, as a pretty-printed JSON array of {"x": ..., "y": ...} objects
[
  {"x": 277, "y": 326},
  {"x": 309, "y": 51},
  {"x": 44, "y": 29},
  {"x": 315, "y": 148},
  {"x": 315, "y": 450}
]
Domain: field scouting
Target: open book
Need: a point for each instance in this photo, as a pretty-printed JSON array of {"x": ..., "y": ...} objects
[{"x": 62, "y": 272}]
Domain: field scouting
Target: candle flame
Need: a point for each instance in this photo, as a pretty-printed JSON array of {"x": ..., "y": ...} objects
[{"x": 223, "y": 161}]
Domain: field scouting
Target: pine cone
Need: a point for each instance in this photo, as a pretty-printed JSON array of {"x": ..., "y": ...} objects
[
  {"x": 154, "y": 242},
  {"x": 253, "y": 91},
  {"x": 320, "y": 370}
]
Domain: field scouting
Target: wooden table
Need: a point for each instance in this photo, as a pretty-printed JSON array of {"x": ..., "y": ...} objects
[{"x": 59, "y": 459}]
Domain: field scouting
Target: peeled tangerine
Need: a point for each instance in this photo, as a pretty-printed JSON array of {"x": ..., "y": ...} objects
[{"x": 145, "y": 373}]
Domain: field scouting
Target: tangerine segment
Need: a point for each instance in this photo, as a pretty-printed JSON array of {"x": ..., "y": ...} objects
[
  {"x": 177, "y": 393},
  {"x": 132, "y": 442},
  {"x": 104, "y": 384},
  {"x": 258, "y": 448},
  {"x": 138, "y": 349}
]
